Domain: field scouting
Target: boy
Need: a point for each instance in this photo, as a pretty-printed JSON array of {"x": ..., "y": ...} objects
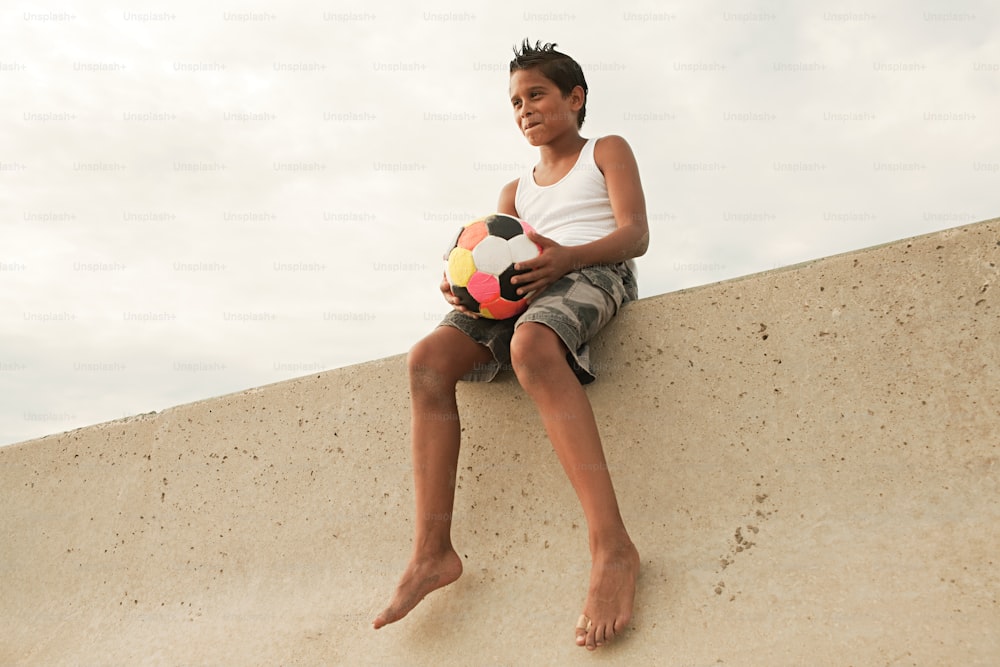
[{"x": 585, "y": 200}]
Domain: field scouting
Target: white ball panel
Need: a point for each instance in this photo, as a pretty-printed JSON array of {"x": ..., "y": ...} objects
[
  {"x": 522, "y": 248},
  {"x": 492, "y": 255}
]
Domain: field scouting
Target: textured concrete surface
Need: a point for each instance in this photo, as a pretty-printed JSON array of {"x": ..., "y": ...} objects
[{"x": 806, "y": 458}]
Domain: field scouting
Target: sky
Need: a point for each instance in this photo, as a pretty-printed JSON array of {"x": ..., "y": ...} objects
[{"x": 201, "y": 198}]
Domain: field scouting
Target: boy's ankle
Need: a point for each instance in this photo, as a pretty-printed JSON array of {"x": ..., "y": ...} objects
[
  {"x": 610, "y": 541},
  {"x": 432, "y": 548}
]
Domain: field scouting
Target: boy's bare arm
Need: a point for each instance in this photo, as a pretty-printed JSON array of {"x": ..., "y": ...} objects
[
  {"x": 506, "y": 203},
  {"x": 630, "y": 238},
  {"x": 628, "y": 203}
]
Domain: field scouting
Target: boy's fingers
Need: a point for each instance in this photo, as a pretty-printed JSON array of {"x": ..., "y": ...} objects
[
  {"x": 539, "y": 239},
  {"x": 533, "y": 269},
  {"x": 533, "y": 286},
  {"x": 528, "y": 264}
]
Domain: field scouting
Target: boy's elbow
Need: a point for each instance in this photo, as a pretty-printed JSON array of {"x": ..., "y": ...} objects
[{"x": 642, "y": 245}]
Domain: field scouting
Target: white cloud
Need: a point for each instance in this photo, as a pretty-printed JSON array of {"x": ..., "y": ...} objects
[{"x": 200, "y": 204}]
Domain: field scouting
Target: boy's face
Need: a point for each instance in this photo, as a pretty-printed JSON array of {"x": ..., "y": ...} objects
[{"x": 541, "y": 111}]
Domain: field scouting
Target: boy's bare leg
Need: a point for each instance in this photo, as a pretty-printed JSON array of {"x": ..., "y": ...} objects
[
  {"x": 539, "y": 360},
  {"x": 436, "y": 364}
]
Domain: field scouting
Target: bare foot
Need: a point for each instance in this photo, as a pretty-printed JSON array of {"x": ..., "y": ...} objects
[
  {"x": 423, "y": 575},
  {"x": 608, "y": 608}
]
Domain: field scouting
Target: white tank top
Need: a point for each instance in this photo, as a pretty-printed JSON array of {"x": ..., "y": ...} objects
[{"x": 573, "y": 211}]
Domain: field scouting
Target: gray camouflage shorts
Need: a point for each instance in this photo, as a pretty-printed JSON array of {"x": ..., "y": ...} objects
[{"x": 576, "y": 307}]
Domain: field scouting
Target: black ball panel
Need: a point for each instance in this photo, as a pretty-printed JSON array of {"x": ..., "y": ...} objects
[
  {"x": 503, "y": 226},
  {"x": 507, "y": 290},
  {"x": 465, "y": 298}
]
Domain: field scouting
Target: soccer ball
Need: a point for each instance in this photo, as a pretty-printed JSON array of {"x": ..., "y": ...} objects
[{"x": 480, "y": 263}]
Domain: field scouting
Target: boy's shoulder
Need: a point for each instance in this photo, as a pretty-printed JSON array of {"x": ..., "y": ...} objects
[
  {"x": 510, "y": 188},
  {"x": 507, "y": 196},
  {"x": 611, "y": 143},
  {"x": 612, "y": 150},
  {"x": 611, "y": 138}
]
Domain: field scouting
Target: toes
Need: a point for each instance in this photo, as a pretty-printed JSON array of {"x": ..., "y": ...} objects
[
  {"x": 593, "y": 635},
  {"x": 601, "y": 635},
  {"x": 582, "y": 629},
  {"x": 592, "y": 642},
  {"x": 385, "y": 618}
]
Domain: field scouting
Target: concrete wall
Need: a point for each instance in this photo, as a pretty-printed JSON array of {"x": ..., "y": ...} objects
[{"x": 807, "y": 460}]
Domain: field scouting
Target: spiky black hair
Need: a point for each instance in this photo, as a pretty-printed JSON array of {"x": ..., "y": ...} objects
[{"x": 562, "y": 70}]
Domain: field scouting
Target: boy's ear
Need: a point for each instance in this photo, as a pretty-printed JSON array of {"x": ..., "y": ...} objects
[{"x": 577, "y": 97}]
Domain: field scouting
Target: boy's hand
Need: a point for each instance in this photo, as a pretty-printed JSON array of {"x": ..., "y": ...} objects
[
  {"x": 452, "y": 299},
  {"x": 554, "y": 263}
]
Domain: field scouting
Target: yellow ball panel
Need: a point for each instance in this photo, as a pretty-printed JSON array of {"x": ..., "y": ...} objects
[{"x": 460, "y": 267}]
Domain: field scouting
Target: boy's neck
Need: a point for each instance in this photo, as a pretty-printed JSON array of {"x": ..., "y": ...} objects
[{"x": 561, "y": 148}]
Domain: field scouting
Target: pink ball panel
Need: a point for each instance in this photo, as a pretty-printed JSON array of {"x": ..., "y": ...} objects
[{"x": 483, "y": 287}]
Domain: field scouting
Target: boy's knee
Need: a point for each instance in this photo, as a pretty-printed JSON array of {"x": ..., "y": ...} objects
[
  {"x": 423, "y": 358},
  {"x": 534, "y": 349},
  {"x": 428, "y": 366}
]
